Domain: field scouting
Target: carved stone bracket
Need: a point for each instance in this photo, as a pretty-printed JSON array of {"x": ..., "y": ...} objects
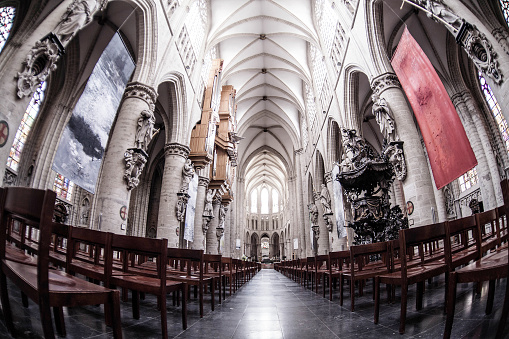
[
  {"x": 205, "y": 223},
  {"x": 316, "y": 232},
  {"x": 328, "y": 177},
  {"x": 384, "y": 81},
  {"x": 328, "y": 221},
  {"x": 182, "y": 199},
  {"x": 135, "y": 160},
  {"x": 175, "y": 148},
  {"x": 141, "y": 91},
  {"x": 39, "y": 63},
  {"x": 219, "y": 233},
  {"x": 396, "y": 156},
  {"x": 480, "y": 50}
]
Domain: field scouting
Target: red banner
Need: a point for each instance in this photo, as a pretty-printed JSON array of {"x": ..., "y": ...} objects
[{"x": 447, "y": 144}]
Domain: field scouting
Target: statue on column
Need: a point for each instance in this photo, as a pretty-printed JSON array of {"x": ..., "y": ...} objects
[
  {"x": 326, "y": 200},
  {"x": 384, "y": 118},
  {"x": 222, "y": 215},
  {"x": 208, "y": 212},
  {"x": 313, "y": 213},
  {"x": 145, "y": 130},
  {"x": 187, "y": 175},
  {"x": 436, "y": 8},
  {"x": 78, "y": 14}
]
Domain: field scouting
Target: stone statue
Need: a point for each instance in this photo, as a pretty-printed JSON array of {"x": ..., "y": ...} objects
[
  {"x": 436, "y": 8},
  {"x": 187, "y": 175},
  {"x": 145, "y": 130},
  {"x": 222, "y": 216},
  {"x": 326, "y": 200},
  {"x": 384, "y": 118},
  {"x": 78, "y": 14},
  {"x": 313, "y": 213},
  {"x": 208, "y": 211}
]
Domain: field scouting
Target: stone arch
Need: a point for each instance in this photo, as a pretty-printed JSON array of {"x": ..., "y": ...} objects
[
  {"x": 274, "y": 246},
  {"x": 172, "y": 97},
  {"x": 334, "y": 142},
  {"x": 255, "y": 245}
]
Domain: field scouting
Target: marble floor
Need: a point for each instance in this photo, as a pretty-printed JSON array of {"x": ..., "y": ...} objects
[{"x": 274, "y": 306}]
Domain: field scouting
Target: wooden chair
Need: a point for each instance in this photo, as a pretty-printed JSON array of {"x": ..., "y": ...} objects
[
  {"x": 464, "y": 235},
  {"x": 337, "y": 261},
  {"x": 229, "y": 273},
  {"x": 488, "y": 268},
  {"x": 135, "y": 251},
  {"x": 321, "y": 267},
  {"x": 411, "y": 240},
  {"x": 489, "y": 228},
  {"x": 33, "y": 209},
  {"x": 88, "y": 252},
  {"x": 366, "y": 262},
  {"x": 213, "y": 270},
  {"x": 187, "y": 267},
  {"x": 59, "y": 240}
]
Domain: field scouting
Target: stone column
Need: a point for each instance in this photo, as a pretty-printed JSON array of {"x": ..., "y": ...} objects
[
  {"x": 199, "y": 233},
  {"x": 417, "y": 184},
  {"x": 488, "y": 149},
  {"x": 211, "y": 242},
  {"x": 483, "y": 170},
  {"x": 168, "y": 227},
  {"x": 302, "y": 227},
  {"x": 113, "y": 191},
  {"x": 323, "y": 237},
  {"x": 223, "y": 230}
]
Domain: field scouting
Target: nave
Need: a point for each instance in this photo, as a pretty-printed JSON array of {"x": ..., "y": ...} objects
[{"x": 271, "y": 305}]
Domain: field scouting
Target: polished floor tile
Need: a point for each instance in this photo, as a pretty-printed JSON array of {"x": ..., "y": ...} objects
[{"x": 274, "y": 306}]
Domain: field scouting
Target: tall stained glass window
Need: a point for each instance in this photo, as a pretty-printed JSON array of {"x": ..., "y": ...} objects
[
  {"x": 275, "y": 201},
  {"x": 63, "y": 187},
  {"x": 25, "y": 127},
  {"x": 254, "y": 201},
  {"x": 6, "y": 20},
  {"x": 326, "y": 19},
  {"x": 495, "y": 110},
  {"x": 196, "y": 22},
  {"x": 264, "y": 201}
]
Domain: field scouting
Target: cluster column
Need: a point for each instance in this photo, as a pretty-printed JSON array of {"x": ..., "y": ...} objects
[
  {"x": 212, "y": 241},
  {"x": 199, "y": 231},
  {"x": 168, "y": 227},
  {"x": 117, "y": 178},
  {"x": 417, "y": 185}
]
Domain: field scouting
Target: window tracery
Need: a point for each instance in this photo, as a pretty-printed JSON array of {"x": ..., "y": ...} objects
[
  {"x": 63, "y": 187},
  {"x": 264, "y": 201},
  {"x": 25, "y": 127},
  {"x": 468, "y": 179},
  {"x": 275, "y": 201},
  {"x": 254, "y": 201}
]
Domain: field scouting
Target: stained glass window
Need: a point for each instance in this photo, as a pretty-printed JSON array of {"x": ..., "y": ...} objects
[
  {"x": 6, "y": 20},
  {"x": 468, "y": 179},
  {"x": 504, "y": 4},
  {"x": 264, "y": 201},
  {"x": 326, "y": 19},
  {"x": 275, "y": 201},
  {"x": 310, "y": 106},
  {"x": 254, "y": 201},
  {"x": 196, "y": 22},
  {"x": 495, "y": 110},
  {"x": 25, "y": 127},
  {"x": 63, "y": 187}
]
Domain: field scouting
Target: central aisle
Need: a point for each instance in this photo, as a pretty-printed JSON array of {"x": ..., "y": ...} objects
[{"x": 273, "y": 306}]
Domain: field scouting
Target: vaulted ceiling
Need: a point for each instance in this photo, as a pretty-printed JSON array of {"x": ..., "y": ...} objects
[{"x": 263, "y": 45}]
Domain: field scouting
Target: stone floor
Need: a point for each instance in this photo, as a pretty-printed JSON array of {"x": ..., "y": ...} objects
[{"x": 274, "y": 306}]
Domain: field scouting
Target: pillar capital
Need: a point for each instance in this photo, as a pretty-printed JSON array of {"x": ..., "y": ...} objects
[
  {"x": 384, "y": 81},
  {"x": 203, "y": 181},
  {"x": 299, "y": 151},
  {"x": 174, "y": 148},
  {"x": 141, "y": 91}
]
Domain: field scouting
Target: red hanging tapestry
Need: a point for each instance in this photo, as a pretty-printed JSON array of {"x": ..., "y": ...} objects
[{"x": 447, "y": 144}]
